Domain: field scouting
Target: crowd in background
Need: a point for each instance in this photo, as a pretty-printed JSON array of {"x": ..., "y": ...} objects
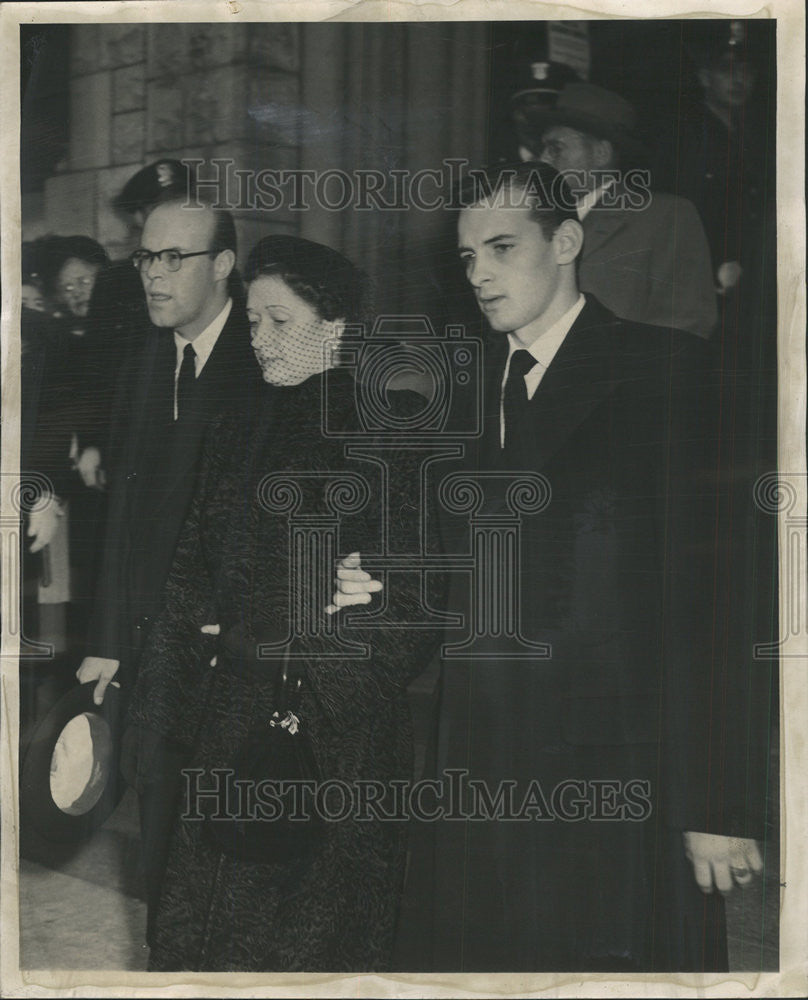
[
  {"x": 82, "y": 316},
  {"x": 83, "y": 313},
  {"x": 697, "y": 255}
]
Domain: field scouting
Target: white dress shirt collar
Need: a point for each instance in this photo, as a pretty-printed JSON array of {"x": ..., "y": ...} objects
[
  {"x": 544, "y": 348},
  {"x": 203, "y": 346},
  {"x": 588, "y": 201},
  {"x": 205, "y": 342}
]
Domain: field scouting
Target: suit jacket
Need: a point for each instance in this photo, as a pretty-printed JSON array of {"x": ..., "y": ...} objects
[
  {"x": 154, "y": 463},
  {"x": 622, "y": 575},
  {"x": 650, "y": 265}
]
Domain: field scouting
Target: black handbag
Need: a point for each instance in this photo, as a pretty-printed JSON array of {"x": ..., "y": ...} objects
[{"x": 271, "y": 816}]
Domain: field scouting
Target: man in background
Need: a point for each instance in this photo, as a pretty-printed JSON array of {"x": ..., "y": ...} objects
[
  {"x": 645, "y": 255},
  {"x": 724, "y": 156}
]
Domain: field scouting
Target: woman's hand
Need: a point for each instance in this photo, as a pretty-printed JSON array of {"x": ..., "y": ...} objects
[{"x": 354, "y": 585}]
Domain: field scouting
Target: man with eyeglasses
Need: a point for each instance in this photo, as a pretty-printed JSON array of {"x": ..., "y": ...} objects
[{"x": 195, "y": 361}]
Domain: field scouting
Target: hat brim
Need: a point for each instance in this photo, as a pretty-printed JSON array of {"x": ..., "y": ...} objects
[
  {"x": 45, "y": 827},
  {"x": 515, "y": 98},
  {"x": 625, "y": 142}
]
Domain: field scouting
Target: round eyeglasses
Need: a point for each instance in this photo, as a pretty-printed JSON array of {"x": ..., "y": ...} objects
[{"x": 170, "y": 259}]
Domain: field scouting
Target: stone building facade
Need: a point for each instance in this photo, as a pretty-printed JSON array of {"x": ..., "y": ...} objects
[
  {"x": 268, "y": 95},
  {"x": 140, "y": 92}
]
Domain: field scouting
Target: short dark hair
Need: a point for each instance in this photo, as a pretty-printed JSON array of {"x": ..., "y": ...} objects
[
  {"x": 327, "y": 281},
  {"x": 544, "y": 191},
  {"x": 85, "y": 248},
  {"x": 53, "y": 252}
]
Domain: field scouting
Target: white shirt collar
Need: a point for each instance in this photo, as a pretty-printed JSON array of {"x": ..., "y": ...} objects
[
  {"x": 205, "y": 342},
  {"x": 588, "y": 201},
  {"x": 544, "y": 348}
]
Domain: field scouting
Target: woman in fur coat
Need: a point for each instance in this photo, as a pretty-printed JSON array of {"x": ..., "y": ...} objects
[{"x": 237, "y": 585}]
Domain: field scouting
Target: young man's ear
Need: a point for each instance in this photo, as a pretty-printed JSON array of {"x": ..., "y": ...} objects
[
  {"x": 568, "y": 240},
  {"x": 223, "y": 264}
]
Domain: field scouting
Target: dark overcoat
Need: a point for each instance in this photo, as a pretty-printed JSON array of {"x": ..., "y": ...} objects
[
  {"x": 643, "y": 698},
  {"x": 153, "y": 464},
  {"x": 336, "y": 909}
]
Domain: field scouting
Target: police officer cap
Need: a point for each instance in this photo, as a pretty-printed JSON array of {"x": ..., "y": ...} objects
[
  {"x": 155, "y": 183},
  {"x": 721, "y": 41},
  {"x": 540, "y": 78}
]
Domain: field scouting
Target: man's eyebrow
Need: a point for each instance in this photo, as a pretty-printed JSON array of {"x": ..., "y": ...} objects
[
  {"x": 500, "y": 236},
  {"x": 492, "y": 239}
]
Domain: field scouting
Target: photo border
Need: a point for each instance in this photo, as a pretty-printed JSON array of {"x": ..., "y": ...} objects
[{"x": 791, "y": 979}]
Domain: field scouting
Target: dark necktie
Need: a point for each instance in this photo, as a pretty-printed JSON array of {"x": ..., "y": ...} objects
[
  {"x": 515, "y": 401},
  {"x": 186, "y": 380}
]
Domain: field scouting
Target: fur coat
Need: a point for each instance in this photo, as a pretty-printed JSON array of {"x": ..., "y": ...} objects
[{"x": 336, "y": 909}]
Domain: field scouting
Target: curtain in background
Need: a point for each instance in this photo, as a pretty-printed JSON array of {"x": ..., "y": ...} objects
[{"x": 393, "y": 97}]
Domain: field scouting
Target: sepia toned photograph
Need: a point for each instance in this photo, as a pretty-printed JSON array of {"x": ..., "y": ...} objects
[{"x": 401, "y": 555}]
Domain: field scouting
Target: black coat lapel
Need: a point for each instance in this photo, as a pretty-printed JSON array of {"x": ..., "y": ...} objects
[
  {"x": 152, "y": 412},
  {"x": 582, "y": 374},
  {"x": 487, "y": 453}
]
